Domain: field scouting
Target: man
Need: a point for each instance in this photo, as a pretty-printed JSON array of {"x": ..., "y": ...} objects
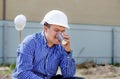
[{"x": 40, "y": 54}]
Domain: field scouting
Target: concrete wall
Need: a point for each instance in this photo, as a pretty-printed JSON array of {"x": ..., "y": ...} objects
[
  {"x": 102, "y": 12},
  {"x": 1, "y": 44},
  {"x": 89, "y": 42}
]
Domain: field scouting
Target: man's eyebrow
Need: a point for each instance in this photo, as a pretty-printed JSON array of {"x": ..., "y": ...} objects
[{"x": 56, "y": 29}]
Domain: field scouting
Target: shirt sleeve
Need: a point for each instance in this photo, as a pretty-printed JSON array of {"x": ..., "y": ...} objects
[
  {"x": 67, "y": 65},
  {"x": 25, "y": 59}
]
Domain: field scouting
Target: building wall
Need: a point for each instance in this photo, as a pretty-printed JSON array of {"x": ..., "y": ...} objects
[
  {"x": 1, "y": 42},
  {"x": 102, "y": 12}
]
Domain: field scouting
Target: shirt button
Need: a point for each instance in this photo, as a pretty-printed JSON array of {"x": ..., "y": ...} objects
[{"x": 68, "y": 57}]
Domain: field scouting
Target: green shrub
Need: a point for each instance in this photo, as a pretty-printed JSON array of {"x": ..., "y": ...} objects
[
  {"x": 117, "y": 64},
  {"x": 12, "y": 66}
]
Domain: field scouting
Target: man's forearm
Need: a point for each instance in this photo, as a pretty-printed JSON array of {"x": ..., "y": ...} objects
[
  {"x": 29, "y": 75},
  {"x": 67, "y": 65}
]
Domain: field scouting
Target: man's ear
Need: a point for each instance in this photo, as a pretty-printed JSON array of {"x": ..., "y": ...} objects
[{"x": 45, "y": 28}]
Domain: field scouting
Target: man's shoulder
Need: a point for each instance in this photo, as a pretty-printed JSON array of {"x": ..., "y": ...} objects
[{"x": 32, "y": 37}]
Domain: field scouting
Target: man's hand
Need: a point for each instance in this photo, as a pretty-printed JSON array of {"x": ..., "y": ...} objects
[{"x": 67, "y": 45}]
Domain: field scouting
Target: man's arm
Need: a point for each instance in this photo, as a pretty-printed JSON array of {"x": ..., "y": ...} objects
[
  {"x": 67, "y": 65},
  {"x": 24, "y": 64},
  {"x": 67, "y": 62},
  {"x": 24, "y": 67}
]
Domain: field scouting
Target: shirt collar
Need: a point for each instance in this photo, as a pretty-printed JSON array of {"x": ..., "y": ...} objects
[{"x": 44, "y": 39}]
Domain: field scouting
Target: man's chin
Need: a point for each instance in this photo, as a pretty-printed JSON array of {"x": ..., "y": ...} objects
[{"x": 57, "y": 43}]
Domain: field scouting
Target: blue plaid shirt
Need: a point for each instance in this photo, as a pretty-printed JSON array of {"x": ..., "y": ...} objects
[{"x": 35, "y": 60}]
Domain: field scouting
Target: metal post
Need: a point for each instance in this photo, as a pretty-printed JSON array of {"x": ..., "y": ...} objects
[
  {"x": 113, "y": 46},
  {"x": 4, "y": 9},
  {"x": 20, "y": 36}
]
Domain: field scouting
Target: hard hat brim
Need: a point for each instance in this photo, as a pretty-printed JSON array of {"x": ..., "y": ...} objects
[{"x": 66, "y": 26}]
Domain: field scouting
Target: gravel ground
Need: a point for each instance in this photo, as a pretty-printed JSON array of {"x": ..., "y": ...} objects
[
  {"x": 99, "y": 72},
  {"x": 5, "y": 76}
]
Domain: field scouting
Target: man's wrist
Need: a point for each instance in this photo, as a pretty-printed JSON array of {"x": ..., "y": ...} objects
[{"x": 69, "y": 51}]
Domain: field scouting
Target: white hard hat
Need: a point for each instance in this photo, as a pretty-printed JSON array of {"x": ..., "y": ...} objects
[
  {"x": 56, "y": 17},
  {"x": 20, "y": 21}
]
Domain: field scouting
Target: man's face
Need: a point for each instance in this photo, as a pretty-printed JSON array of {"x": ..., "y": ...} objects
[{"x": 52, "y": 32}]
